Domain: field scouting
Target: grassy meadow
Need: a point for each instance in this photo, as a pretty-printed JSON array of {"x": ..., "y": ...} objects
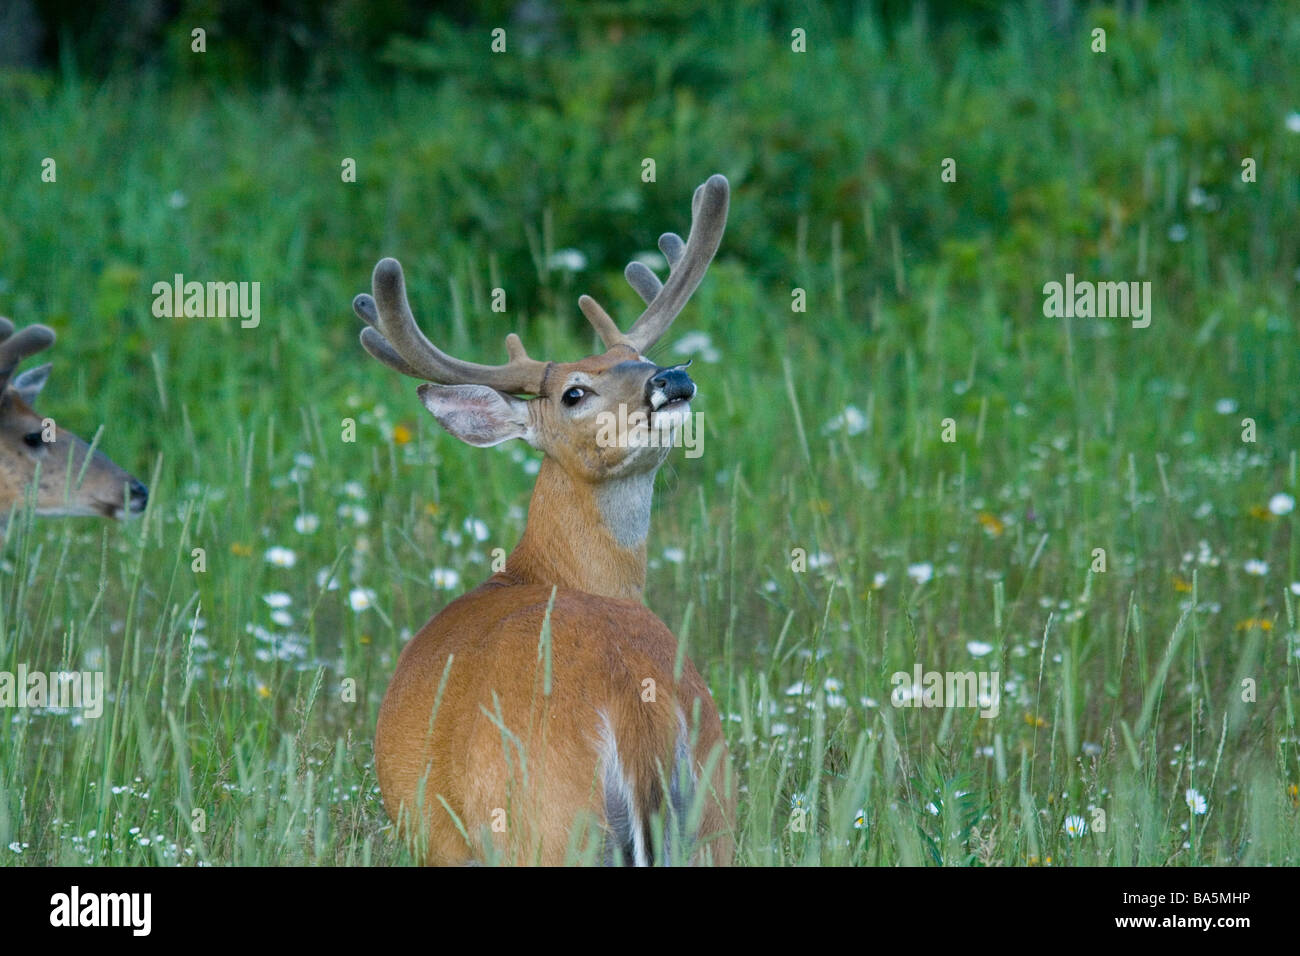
[{"x": 828, "y": 537}]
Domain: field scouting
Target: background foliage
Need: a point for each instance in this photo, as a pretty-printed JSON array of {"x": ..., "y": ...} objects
[{"x": 1122, "y": 690}]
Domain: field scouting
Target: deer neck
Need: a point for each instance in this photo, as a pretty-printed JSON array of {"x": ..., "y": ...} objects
[{"x": 587, "y": 537}]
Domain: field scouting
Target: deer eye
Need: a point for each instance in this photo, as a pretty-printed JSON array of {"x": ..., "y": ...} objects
[
  {"x": 33, "y": 440},
  {"x": 573, "y": 396}
]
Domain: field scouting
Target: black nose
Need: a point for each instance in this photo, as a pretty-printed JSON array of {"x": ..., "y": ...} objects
[
  {"x": 139, "y": 496},
  {"x": 674, "y": 383}
]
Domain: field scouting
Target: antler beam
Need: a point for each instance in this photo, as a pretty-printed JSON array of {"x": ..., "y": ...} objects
[
  {"x": 395, "y": 339},
  {"x": 687, "y": 263}
]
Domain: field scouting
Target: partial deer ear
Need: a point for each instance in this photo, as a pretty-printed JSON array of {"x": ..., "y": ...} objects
[
  {"x": 29, "y": 384},
  {"x": 476, "y": 414}
]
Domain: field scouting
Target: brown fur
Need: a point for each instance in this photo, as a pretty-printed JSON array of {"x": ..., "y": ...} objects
[
  {"x": 105, "y": 490},
  {"x": 602, "y": 650},
  {"x": 605, "y": 642}
]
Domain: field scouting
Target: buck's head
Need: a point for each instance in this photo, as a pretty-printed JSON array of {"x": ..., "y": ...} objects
[
  {"x": 609, "y": 415},
  {"x": 33, "y": 449}
]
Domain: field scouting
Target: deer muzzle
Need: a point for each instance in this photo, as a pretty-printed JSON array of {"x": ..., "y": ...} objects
[{"x": 667, "y": 386}]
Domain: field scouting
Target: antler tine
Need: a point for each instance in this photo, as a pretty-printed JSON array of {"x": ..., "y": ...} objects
[
  {"x": 671, "y": 245},
  {"x": 687, "y": 263},
  {"x": 641, "y": 278},
  {"x": 605, "y": 326},
  {"x": 395, "y": 339},
  {"x": 20, "y": 345},
  {"x": 373, "y": 341}
]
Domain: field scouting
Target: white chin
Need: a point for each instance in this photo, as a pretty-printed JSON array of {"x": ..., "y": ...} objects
[{"x": 672, "y": 415}]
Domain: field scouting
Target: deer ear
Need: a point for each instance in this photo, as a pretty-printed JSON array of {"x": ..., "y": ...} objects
[
  {"x": 476, "y": 414},
  {"x": 29, "y": 384}
]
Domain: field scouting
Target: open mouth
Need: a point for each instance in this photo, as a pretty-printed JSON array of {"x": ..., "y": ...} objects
[
  {"x": 673, "y": 404},
  {"x": 115, "y": 511},
  {"x": 671, "y": 413}
]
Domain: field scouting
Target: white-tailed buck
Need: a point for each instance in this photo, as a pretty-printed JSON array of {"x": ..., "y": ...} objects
[
  {"x": 33, "y": 449},
  {"x": 539, "y": 713}
]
